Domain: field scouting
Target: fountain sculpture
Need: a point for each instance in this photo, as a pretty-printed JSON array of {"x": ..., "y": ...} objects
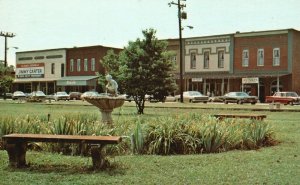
[{"x": 106, "y": 102}]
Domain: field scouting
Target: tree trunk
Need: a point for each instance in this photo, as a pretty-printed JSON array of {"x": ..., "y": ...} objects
[{"x": 140, "y": 105}]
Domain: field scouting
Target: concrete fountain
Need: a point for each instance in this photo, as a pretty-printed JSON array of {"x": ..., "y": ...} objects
[{"x": 108, "y": 101}]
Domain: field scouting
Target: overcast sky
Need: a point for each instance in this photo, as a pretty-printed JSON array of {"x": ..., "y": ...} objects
[{"x": 49, "y": 24}]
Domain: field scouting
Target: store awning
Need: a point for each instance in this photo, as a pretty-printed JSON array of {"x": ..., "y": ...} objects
[
  {"x": 29, "y": 80},
  {"x": 243, "y": 74},
  {"x": 77, "y": 81}
]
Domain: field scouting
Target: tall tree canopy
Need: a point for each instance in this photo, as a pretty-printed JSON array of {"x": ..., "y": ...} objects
[{"x": 143, "y": 67}]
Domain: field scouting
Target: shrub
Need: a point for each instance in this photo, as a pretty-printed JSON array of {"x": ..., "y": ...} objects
[{"x": 181, "y": 134}]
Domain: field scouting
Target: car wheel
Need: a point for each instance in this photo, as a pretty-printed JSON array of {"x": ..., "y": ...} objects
[
  {"x": 226, "y": 102},
  {"x": 291, "y": 103},
  {"x": 239, "y": 102}
]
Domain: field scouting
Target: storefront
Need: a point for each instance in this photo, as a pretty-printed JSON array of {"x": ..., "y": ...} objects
[{"x": 78, "y": 83}]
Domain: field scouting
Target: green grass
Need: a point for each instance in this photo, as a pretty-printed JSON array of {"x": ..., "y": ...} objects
[{"x": 271, "y": 165}]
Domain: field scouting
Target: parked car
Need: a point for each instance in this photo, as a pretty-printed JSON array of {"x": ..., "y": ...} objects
[
  {"x": 88, "y": 93},
  {"x": 239, "y": 98},
  {"x": 75, "y": 95},
  {"x": 18, "y": 95},
  {"x": 284, "y": 98},
  {"x": 193, "y": 96},
  {"x": 215, "y": 99},
  {"x": 7, "y": 95},
  {"x": 61, "y": 96},
  {"x": 127, "y": 97},
  {"x": 170, "y": 99},
  {"x": 36, "y": 96}
]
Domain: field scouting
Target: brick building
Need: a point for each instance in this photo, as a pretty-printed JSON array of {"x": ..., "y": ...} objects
[
  {"x": 82, "y": 64},
  {"x": 266, "y": 62}
]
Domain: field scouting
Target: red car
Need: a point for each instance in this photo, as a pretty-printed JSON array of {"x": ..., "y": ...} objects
[{"x": 284, "y": 98}]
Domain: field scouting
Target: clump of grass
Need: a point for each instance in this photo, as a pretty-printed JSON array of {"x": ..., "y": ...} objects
[{"x": 191, "y": 133}]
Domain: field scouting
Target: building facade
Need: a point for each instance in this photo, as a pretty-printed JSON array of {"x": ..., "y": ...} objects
[
  {"x": 82, "y": 64},
  {"x": 66, "y": 69},
  {"x": 208, "y": 63},
  {"x": 266, "y": 62},
  {"x": 39, "y": 70}
]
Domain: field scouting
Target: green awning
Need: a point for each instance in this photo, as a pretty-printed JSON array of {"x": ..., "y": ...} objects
[{"x": 77, "y": 81}]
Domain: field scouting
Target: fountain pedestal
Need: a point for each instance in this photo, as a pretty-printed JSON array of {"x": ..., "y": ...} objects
[{"x": 106, "y": 104}]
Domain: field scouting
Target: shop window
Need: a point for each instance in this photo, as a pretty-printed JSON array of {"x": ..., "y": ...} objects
[
  {"x": 260, "y": 57},
  {"x": 72, "y": 65},
  {"x": 78, "y": 65},
  {"x": 93, "y": 64},
  {"x": 245, "y": 58},
  {"x": 193, "y": 60},
  {"x": 62, "y": 72},
  {"x": 52, "y": 68},
  {"x": 206, "y": 60},
  {"x": 221, "y": 59},
  {"x": 276, "y": 57},
  {"x": 85, "y": 64}
]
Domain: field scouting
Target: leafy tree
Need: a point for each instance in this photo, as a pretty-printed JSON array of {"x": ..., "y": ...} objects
[
  {"x": 5, "y": 78},
  {"x": 143, "y": 67},
  {"x": 111, "y": 63}
]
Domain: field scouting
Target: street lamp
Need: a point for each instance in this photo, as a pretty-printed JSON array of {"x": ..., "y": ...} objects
[
  {"x": 181, "y": 15},
  {"x": 5, "y": 35}
]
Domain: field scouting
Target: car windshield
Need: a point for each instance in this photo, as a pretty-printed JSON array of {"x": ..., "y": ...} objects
[
  {"x": 62, "y": 93},
  {"x": 18, "y": 93},
  {"x": 39, "y": 93},
  {"x": 241, "y": 94},
  {"x": 194, "y": 93},
  {"x": 292, "y": 94}
]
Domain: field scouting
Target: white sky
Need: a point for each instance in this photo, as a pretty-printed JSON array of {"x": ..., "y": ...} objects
[{"x": 49, "y": 24}]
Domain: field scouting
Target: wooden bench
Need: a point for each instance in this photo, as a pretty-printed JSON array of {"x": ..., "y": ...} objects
[
  {"x": 251, "y": 116},
  {"x": 16, "y": 146}
]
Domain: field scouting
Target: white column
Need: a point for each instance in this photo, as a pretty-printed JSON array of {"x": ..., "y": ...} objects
[
  {"x": 277, "y": 83},
  {"x": 222, "y": 87}
]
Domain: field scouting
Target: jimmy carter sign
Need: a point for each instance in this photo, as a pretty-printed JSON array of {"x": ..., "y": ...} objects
[{"x": 36, "y": 70}]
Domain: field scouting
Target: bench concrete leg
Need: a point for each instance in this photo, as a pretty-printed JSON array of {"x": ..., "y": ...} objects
[
  {"x": 17, "y": 154},
  {"x": 99, "y": 161}
]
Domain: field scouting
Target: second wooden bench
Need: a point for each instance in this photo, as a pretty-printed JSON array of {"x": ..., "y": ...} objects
[{"x": 250, "y": 116}]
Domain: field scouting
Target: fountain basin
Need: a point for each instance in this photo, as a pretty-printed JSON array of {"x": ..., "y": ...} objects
[{"x": 106, "y": 104}]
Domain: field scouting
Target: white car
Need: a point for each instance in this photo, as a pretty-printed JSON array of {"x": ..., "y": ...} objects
[
  {"x": 88, "y": 93},
  {"x": 61, "y": 96},
  {"x": 18, "y": 95},
  {"x": 192, "y": 97}
]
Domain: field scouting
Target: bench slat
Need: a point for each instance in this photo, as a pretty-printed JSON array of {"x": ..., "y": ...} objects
[
  {"x": 13, "y": 138},
  {"x": 256, "y": 116}
]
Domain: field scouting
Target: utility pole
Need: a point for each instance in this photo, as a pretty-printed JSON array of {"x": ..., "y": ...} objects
[
  {"x": 5, "y": 35},
  {"x": 181, "y": 15}
]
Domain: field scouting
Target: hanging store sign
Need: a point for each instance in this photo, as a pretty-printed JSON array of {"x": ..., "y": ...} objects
[
  {"x": 250, "y": 81},
  {"x": 197, "y": 79},
  {"x": 35, "y": 70}
]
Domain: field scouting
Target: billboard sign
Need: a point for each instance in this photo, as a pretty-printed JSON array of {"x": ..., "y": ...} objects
[{"x": 34, "y": 70}]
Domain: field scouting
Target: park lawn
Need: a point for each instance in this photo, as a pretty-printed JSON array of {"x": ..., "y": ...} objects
[{"x": 271, "y": 165}]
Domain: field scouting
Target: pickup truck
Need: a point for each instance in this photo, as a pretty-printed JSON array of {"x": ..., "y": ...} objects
[{"x": 284, "y": 98}]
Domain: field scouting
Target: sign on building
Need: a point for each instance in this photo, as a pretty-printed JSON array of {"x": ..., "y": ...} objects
[
  {"x": 35, "y": 70},
  {"x": 197, "y": 79},
  {"x": 250, "y": 80}
]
